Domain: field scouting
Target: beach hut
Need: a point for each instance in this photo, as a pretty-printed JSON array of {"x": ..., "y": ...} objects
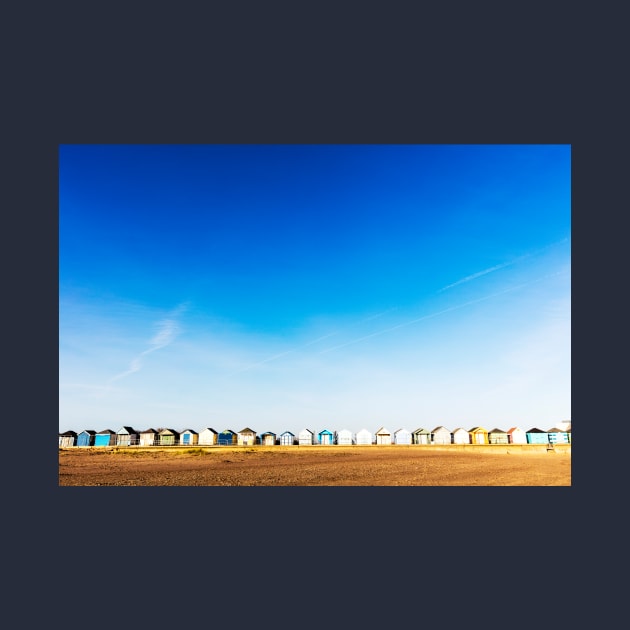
[
  {"x": 461, "y": 436},
  {"x": 421, "y": 436},
  {"x": 149, "y": 437},
  {"x": 226, "y": 438},
  {"x": 516, "y": 435},
  {"x": 498, "y": 436},
  {"x": 363, "y": 437},
  {"x": 287, "y": 439},
  {"x": 126, "y": 436},
  {"x": 440, "y": 435},
  {"x": 207, "y": 436},
  {"x": 383, "y": 436},
  {"x": 536, "y": 436},
  {"x": 105, "y": 438},
  {"x": 402, "y": 436},
  {"x": 343, "y": 437},
  {"x": 325, "y": 437},
  {"x": 478, "y": 435},
  {"x": 188, "y": 437},
  {"x": 168, "y": 437},
  {"x": 306, "y": 437},
  {"x": 557, "y": 436},
  {"x": 268, "y": 439},
  {"x": 67, "y": 438},
  {"x": 86, "y": 438},
  {"x": 246, "y": 437}
]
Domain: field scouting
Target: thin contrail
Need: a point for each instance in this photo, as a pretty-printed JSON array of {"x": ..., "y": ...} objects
[
  {"x": 310, "y": 343},
  {"x": 502, "y": 265},
  {"x": 446, "y": 310}
]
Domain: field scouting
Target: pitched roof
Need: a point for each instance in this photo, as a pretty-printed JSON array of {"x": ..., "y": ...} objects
[
  {"x": 106, "y": 431},
  {"x": 422, "y": 431},
  {"x": 190, "y": 431},
  {"x": 68, "y": 434},
  {"x": 497, "y": 431},
  {"x": 127, "y": 430},
  {"x": 148, "y": 431},
  {"x": 383, "y": 430},
  {"x": 286, "y": 433},
  {"x": 247, "y": 430},
  {"x": 88, "y": 431},
  {"x": 512, "y": 429},
  {"x": 535, "y": 430},
  {"x": 208, "y": 429},
  {"x": 440, "y": 428}
]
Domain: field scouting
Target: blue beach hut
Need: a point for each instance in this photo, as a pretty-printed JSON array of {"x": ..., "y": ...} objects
[
  {"x": 227, "y": 437},
  {"x": 86, "y": 438}
]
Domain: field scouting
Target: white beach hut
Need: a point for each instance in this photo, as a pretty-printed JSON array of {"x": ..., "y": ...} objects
[
  {"x": 344, "y": 437},
  {"x": 402, "y": 436},
  {"x": 306, "y": 437}
]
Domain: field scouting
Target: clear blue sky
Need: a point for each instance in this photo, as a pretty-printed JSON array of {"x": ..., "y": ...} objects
[{"x": 282, "y": 287}]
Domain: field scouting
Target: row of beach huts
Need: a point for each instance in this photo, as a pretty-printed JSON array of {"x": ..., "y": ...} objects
[{"x": 127, "y": 436}]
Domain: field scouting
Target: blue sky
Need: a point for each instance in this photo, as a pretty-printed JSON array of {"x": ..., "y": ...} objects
[{"x": 282, "y": 287}]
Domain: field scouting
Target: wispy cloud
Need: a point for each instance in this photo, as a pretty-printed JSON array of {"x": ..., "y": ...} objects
[{"x": 167, "y": 330}]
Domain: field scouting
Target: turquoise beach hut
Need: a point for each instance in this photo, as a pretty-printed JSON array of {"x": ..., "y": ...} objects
[
  {"x": 537, "y": 436},
  {"x": 325, "y": 437},
  {"x": 105, "y": 438}
]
